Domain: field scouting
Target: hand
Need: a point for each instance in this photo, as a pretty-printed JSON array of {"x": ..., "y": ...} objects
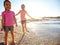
[
  {"x": 16, "y": 25},
  {"x": 16, "y": 14},
  {"x": 1, "y": 29}
]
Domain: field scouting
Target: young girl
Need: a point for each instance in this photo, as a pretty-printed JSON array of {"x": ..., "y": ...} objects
[
  {"x": 8, "y": 20},
  {"x": 22, "y": 13}
]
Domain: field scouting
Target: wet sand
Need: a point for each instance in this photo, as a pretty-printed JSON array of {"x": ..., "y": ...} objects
[{"x": 29, "y": 38}]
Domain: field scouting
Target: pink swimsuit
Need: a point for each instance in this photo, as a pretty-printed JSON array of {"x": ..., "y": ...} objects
[{"x": 22, "y": 15}]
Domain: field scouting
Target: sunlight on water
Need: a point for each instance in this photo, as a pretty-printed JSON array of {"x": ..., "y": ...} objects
[{"x": 47, "y": 30}]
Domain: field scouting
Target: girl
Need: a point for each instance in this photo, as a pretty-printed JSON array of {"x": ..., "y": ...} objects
[
  {"x": 8, "y": 20},
  {"x": 22, "y": 13}
]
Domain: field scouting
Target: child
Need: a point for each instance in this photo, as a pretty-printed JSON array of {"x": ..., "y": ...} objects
[
  {"x": 23, "y": 19},
  {"x": 8, "y": 20}
]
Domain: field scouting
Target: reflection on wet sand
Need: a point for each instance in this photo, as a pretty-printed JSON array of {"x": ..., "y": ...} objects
[{"x": 39, "y": 34}]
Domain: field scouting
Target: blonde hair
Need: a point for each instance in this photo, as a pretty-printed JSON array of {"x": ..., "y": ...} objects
[{"x": 22, "y": 5}]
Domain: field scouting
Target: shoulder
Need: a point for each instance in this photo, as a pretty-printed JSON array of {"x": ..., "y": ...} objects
[
  {"x": 3, "y": 13},
  {"x": 12, "y": 12},
  {"x": 25, "y": 11}
]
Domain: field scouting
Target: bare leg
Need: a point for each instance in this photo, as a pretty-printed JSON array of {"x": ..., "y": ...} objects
[
  {"x": 25, "y": 27},
  {"x": 6, "y": 35},
  {"x": 12, "y": 34}
]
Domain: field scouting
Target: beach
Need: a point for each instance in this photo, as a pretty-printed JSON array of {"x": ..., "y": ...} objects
[{"x": 39, "y": 34}]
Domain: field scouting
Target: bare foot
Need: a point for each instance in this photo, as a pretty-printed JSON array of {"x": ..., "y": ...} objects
[
  {"x": 27, "y": 31},
  {"x": 23, "y": 32},
  {"x": 1, "y": 29},
  {"x": 12, "y": 43}
]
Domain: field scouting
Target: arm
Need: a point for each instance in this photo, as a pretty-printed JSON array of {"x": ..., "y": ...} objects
[
  {"x": 29, "y": 15},
  {"x": 18, "y": 13},
  {"x": 15, "y": 20},
  {"x": 2, "y": 22}
]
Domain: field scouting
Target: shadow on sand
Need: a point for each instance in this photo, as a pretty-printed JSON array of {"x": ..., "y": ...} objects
[{"x": 19, "y": 42}]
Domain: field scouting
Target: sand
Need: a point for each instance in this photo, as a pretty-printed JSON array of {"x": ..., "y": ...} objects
[{"x": 29, "y": 38}]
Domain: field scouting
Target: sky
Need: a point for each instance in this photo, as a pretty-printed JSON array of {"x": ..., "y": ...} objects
[{"x": 35, "y": 8}]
